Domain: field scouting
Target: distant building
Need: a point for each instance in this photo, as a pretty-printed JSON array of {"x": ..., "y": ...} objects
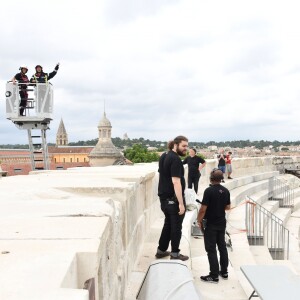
[
  {"x": 105, "y": 153},
  {"x": 61, "y": 156},
  {"x": 64, "y": 157},
  {"x": 61, "y": 135},
  {"x": 125, "y": 137},
  {"x": 152, "y": 148},
  {"x": 212, "y": 148},
  {"x": 15, "y": 161}
]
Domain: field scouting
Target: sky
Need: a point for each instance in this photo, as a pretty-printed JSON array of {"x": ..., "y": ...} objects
[{"x": 210, "y": 70}]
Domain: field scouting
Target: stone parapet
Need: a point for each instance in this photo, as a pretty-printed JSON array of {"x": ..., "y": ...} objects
[{"x": 79, "y": 224}]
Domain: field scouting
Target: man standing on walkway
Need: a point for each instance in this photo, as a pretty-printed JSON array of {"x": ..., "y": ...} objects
[
  {"x": 212, "y": 221},
  {"x": 195, "y": 164},
  {"x": 222, "y": 162},
  {"x": 171, "y": 188}
]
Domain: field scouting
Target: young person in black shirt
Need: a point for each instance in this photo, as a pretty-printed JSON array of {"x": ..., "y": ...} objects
[
  {"x": 22, "y": 78},
  {"x": 216, "y": 200},
  {"x": 171, "y": 194},
  {"x": 195, "y": 165}
]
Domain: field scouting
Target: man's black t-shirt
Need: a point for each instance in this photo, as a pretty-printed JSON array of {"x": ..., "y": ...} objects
[
  {"x": 170, "y": 165},
  {"x": 222, "y": 162},
  {"x": 216, "y": 198},
  {"x": 193, "y": 164}
]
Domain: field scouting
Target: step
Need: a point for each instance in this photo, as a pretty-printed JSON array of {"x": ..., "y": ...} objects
[
  {"x": 293, "y": 223},
  {"x": 241, "y": 253},
  {"x": 245, "y": 180},
  {"x": 296, "y": 203},
  {"x": 261, "y": 196},
  {"x": 283, "y": 214},
  {"x": 271, "y": 205},
  {"x": 230, "y": 289},
  {"x": 226, "y": 289},
  {"x": 261, "y": 255},
  {"x": 297, "y": 192},
  {"x": 239, "y": 194}
]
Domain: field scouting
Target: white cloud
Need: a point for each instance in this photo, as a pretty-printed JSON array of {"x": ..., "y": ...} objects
[{"x": 207, "y": 69}]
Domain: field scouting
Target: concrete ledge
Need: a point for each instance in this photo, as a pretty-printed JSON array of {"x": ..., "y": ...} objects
[{"x": 91, "y": 226}]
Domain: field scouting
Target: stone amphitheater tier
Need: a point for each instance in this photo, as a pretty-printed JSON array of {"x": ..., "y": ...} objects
[{"x": 63, "y": 232}]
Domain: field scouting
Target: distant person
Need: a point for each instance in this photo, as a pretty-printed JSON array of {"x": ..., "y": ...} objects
[
  {"x": 41, "y": 77},
  {"x": 22, "y": 78},
  {"x": 222, "y": 162},
  {"x": 228, "y": 165},
  {"x": 212, "y": 221},
  {"x": 195, "y": 165},
  {"x": 171, "y": 188}
]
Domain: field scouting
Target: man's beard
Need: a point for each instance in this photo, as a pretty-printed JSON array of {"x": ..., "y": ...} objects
[{"x": 180, "y": 153}]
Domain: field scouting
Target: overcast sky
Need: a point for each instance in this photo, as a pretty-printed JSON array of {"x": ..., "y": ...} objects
[{"x": 210, "y": 70}]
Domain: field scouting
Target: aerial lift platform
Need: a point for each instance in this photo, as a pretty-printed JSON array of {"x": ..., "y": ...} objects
[{"x": 37, "y": 118}]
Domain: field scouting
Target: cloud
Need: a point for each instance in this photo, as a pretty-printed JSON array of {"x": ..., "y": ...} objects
[{"x": 210, "y": 70}]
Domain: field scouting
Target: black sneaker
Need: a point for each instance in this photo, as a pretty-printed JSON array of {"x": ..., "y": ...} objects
[
  {"x": 209, "y": 279},
  {"x": 223, "y": 180},
  {"x": 163, "y": 254},
  {"x": 180, "y": 256},
  {"x": 224, "y": 275}
]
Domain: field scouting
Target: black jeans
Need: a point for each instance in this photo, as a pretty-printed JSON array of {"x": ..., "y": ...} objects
[
  {"x": 193, "y": 179},
  {"x": 172, "y": 226},
  {"x": 215, "y": 236},
  {"x": 23, "y": 102}
]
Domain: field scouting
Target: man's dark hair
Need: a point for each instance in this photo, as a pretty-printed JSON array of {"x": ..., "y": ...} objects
[
  {"x": 216, "y": 175},
  {"x": 177, "y": 141}
]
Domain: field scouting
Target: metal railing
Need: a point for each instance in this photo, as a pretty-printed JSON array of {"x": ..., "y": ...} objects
[
  {"x": 264, "y": 228},
  {"x": 281, "y": 191},
  {"x": 39, "y": 100}
]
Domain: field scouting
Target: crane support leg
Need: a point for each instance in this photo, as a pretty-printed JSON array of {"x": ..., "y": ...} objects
[{"x": 38, "y": 150}]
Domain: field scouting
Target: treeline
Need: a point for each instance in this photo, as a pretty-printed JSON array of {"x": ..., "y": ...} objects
[
  {"x": 162, "y": 145},
  {"x": 120, "y": 143}
]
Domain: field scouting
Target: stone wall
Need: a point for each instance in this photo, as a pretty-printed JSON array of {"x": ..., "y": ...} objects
[
  {"x": 82, "y": 224},
  {"x": 286, "y": 162},
  {"x": 241, "y": 167}
]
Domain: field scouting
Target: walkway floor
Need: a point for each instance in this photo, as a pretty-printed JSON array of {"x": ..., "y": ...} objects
[
  {"x": 198, "y": 264},
  {"x": 236, "y": 287}
]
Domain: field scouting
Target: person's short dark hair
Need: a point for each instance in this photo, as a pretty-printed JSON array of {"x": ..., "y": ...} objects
[
  {"x": 194, "y": 150},
  {"x": 216, "y": 175},
  {"x": 229, "y": 152}
]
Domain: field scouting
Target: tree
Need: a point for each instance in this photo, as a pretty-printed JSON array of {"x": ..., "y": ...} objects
[{"x": 139, "y": 153}]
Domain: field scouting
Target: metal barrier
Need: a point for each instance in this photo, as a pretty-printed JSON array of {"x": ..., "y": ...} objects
[
  {"x": 264, "y": 228},
  {"x": 280, "y": 191}
]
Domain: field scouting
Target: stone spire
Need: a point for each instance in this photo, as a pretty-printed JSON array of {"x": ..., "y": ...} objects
[
  {"x": 61, "y": 135},
  {"x": 105, "y": 153}
]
